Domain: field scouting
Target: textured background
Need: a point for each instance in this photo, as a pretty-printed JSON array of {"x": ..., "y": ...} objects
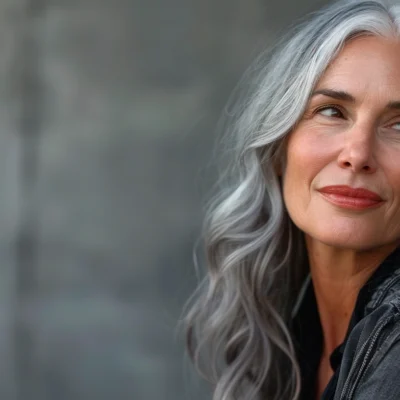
[{"x": 108, "y": 110}]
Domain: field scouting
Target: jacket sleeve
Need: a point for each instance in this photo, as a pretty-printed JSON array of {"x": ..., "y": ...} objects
[{"x": 382, "y": 379}]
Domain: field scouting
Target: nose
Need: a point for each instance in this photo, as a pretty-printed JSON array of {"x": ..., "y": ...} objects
[{"x": 357, "y": 153}]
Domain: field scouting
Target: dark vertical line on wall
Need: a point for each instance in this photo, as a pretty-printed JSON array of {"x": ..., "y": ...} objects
[{"x": 31, "y": 100}]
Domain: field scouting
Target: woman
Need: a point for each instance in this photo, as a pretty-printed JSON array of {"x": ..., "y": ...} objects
[{"x": 302, "y": 294}]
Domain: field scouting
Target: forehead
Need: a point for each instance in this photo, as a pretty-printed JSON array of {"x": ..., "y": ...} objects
[{"x": 366, "y": 65}]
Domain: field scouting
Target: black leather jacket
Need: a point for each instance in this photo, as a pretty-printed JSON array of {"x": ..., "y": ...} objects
[{"x": 367, "y": 364}]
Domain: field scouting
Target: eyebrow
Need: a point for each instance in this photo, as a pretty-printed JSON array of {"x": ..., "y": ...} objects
[{"x": 345, "y": 96}]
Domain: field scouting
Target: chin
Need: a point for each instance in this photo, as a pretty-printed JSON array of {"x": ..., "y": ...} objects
[
  {"x": 350, "y": 240},
  {"x": 360, "y": 245},
  {"x": 342, "y": 234}
]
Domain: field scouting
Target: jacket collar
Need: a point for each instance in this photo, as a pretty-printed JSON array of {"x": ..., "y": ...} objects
[{"x": 380, "y": 286}]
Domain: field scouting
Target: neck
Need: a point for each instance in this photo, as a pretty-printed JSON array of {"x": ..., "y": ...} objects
[
  {"x": 335, "y": 304},
  {"x": 338, "y": 275}
]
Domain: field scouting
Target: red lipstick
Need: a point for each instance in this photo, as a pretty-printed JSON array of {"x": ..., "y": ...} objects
[{"x": 351, "y": 198}]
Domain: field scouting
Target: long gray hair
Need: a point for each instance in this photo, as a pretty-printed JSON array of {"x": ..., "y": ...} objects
[{"x": 238, "y": 326}]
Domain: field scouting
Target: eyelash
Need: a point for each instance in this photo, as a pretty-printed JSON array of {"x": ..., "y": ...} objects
[
  {"x": 334, "y": 107},
  {"x": 339, "y": 110}
]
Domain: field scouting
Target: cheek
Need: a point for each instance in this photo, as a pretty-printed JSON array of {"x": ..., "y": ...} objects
[
  {"x": 298, "y": 176},
  {"x": 306, "y": 155}
]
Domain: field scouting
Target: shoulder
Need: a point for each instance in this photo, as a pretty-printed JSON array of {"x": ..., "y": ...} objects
[
  {"x": 380, "y": 377},
  {"x": 372, "y": 354}
]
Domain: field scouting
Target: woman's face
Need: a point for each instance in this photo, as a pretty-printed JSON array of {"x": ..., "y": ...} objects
[{"x": 349, "y": 135}]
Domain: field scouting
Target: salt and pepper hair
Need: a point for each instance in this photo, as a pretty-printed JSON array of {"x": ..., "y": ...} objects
[{"x": 238, "y": 322}]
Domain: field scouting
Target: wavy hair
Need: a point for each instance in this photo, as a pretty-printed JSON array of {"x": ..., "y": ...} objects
[{"x": 238, "y": 322}]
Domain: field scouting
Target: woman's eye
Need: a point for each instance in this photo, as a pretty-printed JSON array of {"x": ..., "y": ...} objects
[
  {"x": 396, "y": 126},
  {"x": 331, "y": 112}
]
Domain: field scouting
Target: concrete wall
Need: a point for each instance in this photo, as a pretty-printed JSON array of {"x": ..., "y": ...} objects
[{"x": 108, "y": 110}]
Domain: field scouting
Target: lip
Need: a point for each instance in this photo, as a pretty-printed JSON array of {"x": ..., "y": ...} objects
[
  {"x": 351, "y": 198},
  {"x": 359, "y": 193}
]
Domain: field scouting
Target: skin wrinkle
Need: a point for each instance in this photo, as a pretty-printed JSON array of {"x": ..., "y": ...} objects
[
  {"x": 358, "y": 146},
  {"x": 342, "y": 95}
]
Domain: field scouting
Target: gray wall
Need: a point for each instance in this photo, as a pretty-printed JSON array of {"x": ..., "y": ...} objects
[{"x": 108, "y": 110}]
